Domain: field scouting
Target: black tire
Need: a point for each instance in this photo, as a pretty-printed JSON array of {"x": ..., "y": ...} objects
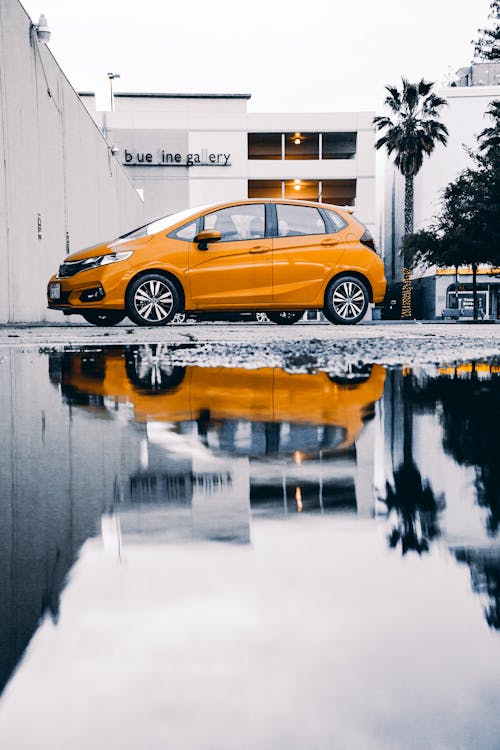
[
  {"x": 152, "y": 300},
  {"x": 346, "y": 301},
  {"x": 103, "y": 317},
  {"x": 148, "y": 369},
  {"x": 285, "y": 318}
]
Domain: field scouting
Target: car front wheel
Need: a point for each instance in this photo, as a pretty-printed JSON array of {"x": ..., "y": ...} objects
[
  {"x": 346, "y": 301},
  {"x": 152, "y": 300},
  {"x": 103, "y": 317},
  {"x": 285, "y": 318}
]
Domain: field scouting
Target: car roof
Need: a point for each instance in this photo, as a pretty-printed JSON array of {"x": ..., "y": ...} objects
[{"x": 286, "y": 201}]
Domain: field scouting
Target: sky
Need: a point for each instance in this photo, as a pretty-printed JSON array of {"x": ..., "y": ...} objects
[{"x": 323, "y": 56}]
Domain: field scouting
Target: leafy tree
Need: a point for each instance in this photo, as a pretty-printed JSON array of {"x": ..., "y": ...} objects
[
  {"x": 410, "y": 132},
  {"x": 467, "y": 230},
  {"x": 487, "y": 47}
]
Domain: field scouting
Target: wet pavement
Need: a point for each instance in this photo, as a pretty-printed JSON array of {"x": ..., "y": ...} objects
[{"x": 245, "y": 543}]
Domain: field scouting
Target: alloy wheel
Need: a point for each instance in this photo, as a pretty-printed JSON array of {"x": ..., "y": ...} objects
[
  {"x": 346, "y": 301},
  {"x": 152, "y": 300}
]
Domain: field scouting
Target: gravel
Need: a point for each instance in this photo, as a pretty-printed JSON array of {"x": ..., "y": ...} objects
[{"x": 304, "y": 347}]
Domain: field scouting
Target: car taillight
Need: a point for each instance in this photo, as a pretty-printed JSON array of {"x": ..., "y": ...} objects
[{"x": 367, "y": 239}]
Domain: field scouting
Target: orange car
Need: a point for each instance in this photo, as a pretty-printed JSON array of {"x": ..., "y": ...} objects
[{"x": 277, "y": 256}]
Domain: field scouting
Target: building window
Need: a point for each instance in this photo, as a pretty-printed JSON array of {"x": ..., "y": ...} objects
[
  {"x": 339, "y": 192},
  {"x": 339, "y": 145},
  {"x": 460, "y": 296},
  {"x": 265, "y": 189},
  {"x": 301, "y": 145},
  {"x": 302, "y": 190},
  {"x": 264, "y": 146}
]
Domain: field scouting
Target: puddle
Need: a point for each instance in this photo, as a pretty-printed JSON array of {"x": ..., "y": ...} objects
[{"x": 226, "y": 557}]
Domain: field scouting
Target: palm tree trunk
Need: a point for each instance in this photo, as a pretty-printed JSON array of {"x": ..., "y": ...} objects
[
  {"x": 406, "y": 287},
  {"x": 474, "y": 289}
]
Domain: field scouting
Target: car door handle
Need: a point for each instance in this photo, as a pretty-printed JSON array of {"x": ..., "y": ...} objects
[
  {"x": 259, "y": 249},
  {"x": 329, "y": 243}
]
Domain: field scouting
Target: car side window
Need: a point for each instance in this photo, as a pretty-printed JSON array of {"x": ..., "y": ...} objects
[
  {"x": 337, "y": 221},
  {"x": 245, "y": 222},
  {"x": 187, "y": 232},
  {"x": 294, "y": 221}
]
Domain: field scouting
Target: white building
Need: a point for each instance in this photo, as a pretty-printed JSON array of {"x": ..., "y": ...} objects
[
  {"x": 184, "y": 150},
  {"x": 465, "y": 118}
]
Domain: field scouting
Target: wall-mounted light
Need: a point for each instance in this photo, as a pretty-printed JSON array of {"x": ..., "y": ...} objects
[
  {"x": 114, "y": 150},
  {"x": 42, "y": 29}
]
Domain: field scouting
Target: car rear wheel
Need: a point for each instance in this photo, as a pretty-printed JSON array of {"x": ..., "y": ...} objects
[
  {"x": 152, "y": 300},
  {"x": 103, "y": 317},
  {"x": 285, "y": 318},
  {"x": 346, "y": 301}
]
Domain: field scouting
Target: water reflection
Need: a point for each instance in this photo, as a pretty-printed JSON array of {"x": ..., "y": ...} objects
[
  {"x": 120, "y": 444},
  {"x": 460, "y": 406}
]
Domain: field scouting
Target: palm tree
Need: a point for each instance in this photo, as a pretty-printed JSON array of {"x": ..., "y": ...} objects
[
  {"x": 489, "y": 138},
  {"x": 410, "y": 131}
]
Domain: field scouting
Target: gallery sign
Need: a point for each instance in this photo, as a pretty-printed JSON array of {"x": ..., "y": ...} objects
[{"x": 162, "y": 158}]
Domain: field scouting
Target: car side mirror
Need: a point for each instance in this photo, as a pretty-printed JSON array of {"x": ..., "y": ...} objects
[{"x": 206, "y": 236}]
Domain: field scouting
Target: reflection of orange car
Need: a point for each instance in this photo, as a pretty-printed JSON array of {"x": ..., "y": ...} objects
[
  {"x": 159, "y": 392},
  {"x": 281, "y": 257}
]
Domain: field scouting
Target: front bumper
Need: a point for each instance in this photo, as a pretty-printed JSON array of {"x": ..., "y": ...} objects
[{"x": 102, "y": 289}]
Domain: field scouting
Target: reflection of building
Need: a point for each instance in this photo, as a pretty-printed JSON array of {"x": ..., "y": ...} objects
[
  {"x": 184, "y": 150},
  {"x": 51, "y": 501},
  {"x": 468, "y": 99}
]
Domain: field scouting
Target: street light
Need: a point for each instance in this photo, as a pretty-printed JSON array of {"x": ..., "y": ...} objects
[
  {"x": 42, "y": 29},
  {"x": 111, "y": 77}
]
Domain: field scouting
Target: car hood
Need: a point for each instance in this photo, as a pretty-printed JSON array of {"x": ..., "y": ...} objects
[{"x": 106, "y": 248}]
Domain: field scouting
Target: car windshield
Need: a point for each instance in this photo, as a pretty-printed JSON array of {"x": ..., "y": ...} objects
[{"x": 165, "y": 222}]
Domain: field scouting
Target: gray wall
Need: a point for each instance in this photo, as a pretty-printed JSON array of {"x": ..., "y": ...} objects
[{"x": 54, "y": 164}]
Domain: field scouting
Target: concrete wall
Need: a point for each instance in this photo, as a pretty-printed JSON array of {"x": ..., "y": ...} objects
[{"x": 59, "y": 187}]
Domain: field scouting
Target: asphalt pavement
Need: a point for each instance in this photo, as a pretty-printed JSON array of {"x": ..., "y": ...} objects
[{"x": 302, "y": 347}]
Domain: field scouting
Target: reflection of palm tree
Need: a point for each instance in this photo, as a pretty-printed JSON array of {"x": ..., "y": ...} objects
[
  {"x": 413, "y": 509},
  {"x": 410, "y": 500}
]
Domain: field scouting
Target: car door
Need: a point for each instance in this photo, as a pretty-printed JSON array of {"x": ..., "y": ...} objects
[
  {"x": 236, "y": 271},
  {"x": 306, "y": 249}
]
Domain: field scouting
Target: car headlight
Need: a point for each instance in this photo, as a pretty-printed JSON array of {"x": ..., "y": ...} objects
[{"x": 104, "y": 260}]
